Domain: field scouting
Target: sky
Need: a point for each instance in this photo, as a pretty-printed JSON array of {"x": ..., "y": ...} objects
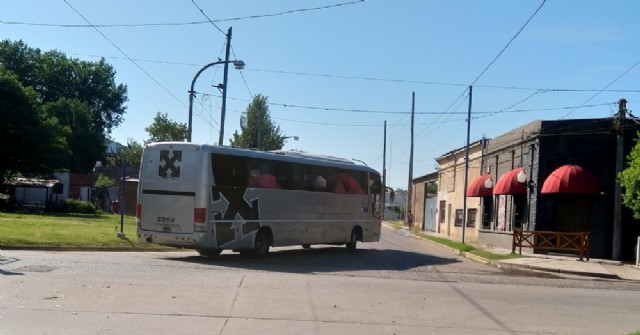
[{"x": 334, "y": 71}]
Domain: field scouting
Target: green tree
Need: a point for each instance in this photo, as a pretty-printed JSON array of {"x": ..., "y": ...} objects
[
  {"x": 86, "y": 146},
  {"x": 164, "y": 129},
  {"x": 257, "y": 120},
  {"x": 131, "y": 155},
  {"x": 104, "y": 182},
  {"x": 629, "y": 179},
  {"x": 55, "y": 77},
  {"x": 31, "y": 142}
]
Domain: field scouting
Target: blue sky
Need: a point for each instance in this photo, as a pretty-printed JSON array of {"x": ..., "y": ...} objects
[{"x": 336, "y": 70}]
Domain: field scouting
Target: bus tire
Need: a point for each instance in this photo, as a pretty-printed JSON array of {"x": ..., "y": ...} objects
[
  {"x": 209, "y": 252},
  {"x": 353, "y": 240},
  {"x": 260, "y": 245}
]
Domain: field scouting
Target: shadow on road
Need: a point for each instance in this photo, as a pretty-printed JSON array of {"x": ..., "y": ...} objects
[{"x": 324, "y": 259}]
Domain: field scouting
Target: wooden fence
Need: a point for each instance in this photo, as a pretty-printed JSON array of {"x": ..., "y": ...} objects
[{"x": 553, "y": 240}]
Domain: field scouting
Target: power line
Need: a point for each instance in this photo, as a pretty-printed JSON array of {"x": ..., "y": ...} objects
[
  {"x": 508, "y": 43},
  {"x": 420, "y": 82},
  {"x": 180, "y": 23},
  {"x": 125, "y": 54},
  {"x": 604, "y": 88},
  {"x": 446, "y": 112},
  {"x": 208, "y": 19}
]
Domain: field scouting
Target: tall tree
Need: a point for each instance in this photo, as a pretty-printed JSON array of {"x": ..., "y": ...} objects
[
  {"x": 54, "y": 77},
  {"x": 256, "y": 124},
  {"x": 31, "y": 142},
  {"x": 164, "y": 129},
  {"x": 630, "y": 180},
  {"x": 86, "y": 145}
]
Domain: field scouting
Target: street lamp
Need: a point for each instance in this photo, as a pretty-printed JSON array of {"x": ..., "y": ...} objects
[
  {"x": 295, "y": 138},
  {"x": 239, "y": 65}
]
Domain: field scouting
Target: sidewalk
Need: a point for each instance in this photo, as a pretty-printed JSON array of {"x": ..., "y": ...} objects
[{"x": 599, "y": 268}]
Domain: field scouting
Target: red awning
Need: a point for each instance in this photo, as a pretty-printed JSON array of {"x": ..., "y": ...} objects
[
  {"x": 481, "y": 187},
  {"x": 508, "y": 183},
  {"x": 572, "y": 179}
]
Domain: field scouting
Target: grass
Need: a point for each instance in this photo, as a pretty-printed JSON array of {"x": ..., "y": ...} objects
[
  {"x": 463, "y": 247},
  {"x": 68, "y": 230}
]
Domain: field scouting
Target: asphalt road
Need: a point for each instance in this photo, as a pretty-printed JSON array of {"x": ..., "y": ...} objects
[{"x": 400, "y": 285}]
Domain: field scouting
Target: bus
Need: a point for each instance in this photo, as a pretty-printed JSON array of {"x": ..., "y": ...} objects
[{"x": 213, "y": 198}]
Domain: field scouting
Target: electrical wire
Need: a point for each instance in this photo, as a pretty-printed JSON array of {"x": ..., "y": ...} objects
[
  {"x": 391, "y": 80},
  {"x": 180, "y": 23},
  {"x": 207, "y": 17},
  {"x": 508, "y": 43},
  {"x": 125, "y": 54}
]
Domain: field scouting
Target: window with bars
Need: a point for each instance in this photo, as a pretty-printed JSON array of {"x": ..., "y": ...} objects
[
  {"x": 471, "y": 217},
  {"x": 443, "y": 211},
  {"x": 458, "y": 220}
]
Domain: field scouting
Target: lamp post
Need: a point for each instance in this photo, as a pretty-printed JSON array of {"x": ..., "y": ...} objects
[
  {"x": 238, "y": 65},
  {"x": 295, "y": 138}
]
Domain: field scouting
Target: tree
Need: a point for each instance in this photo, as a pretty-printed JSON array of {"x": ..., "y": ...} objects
[
  {"x": 86, "y": 145},
  {"x": 55, "y": 76},
  {"x": 629, "y": 179},
  {"x": 164, "y": 129},
  {"x": 31, "y": 142},
  {"x": 131, "y": 155},
  {"x": 99, "y": 104},
  {"x": 257, "y": 120}
]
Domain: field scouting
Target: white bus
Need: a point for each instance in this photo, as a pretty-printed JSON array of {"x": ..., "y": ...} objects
[{"x": 210, "y": 198}]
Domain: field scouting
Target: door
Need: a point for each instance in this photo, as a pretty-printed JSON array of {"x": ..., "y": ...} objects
[{"x": 429, "y": 216}]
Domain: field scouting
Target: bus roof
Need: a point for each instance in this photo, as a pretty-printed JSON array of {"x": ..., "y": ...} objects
[{"x": 276, "y": 155}]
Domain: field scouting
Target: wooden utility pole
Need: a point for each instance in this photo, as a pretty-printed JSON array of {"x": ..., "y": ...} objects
[
  {"x": 617, "y": 194},
  {"x": 466, "y": 169},
  {"x": 410, "y": 186},
  {"x": 384, "y": 171},
  {"x": 224, "y": 88}
]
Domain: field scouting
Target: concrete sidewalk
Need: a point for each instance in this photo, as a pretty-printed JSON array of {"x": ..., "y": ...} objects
[
  {"x": 572, "y": 265},
  {"x": 598, "y": 268}
]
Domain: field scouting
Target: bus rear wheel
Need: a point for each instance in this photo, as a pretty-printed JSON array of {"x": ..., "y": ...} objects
[
  {"x": 353, "y": 241},
  {"x": 260, "y": 245},
  {"x": 209, "y": 252}
]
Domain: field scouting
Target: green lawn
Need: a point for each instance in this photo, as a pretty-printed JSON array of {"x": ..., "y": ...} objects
[{"x": 68, "y": 230}]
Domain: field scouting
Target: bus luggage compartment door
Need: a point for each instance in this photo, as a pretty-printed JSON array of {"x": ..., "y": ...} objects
[{"x": 168, "y": 213}]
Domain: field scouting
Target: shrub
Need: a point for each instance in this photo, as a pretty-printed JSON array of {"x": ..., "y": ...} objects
[{"x": 81, "y": 207}]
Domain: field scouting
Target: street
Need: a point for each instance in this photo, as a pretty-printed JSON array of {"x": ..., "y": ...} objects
[{"x": 400, "y": 285}]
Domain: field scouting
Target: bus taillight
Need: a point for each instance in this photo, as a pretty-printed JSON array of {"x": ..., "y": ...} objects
[
  {"x": 138, "y": 214},
  {"x": 199, "y": 217}
]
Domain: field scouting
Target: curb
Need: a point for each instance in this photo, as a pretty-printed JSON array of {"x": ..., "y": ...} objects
[
  {"x": 501, "y": 264},
  {"x": 538, "y": 268}
]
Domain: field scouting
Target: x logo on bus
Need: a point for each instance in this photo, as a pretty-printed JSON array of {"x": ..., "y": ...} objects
[
  {"x": 235, "y": 208},
  {"x": 169, "y": 164}
]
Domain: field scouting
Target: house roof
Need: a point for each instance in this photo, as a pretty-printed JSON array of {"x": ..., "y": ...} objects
[{"x": 31, "y": 182}]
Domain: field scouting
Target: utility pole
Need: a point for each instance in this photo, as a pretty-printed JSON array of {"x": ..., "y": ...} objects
[
  {"x": 224, "y": 88},
  {"x": 466, "y": 168},
  {"x": 617, "y": 215},
  {"x": 410, "y": 187},
  {"x": 384, "y": 171}
]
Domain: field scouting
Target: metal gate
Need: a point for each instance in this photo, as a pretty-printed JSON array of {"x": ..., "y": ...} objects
[{"x": 429, "y": 213}]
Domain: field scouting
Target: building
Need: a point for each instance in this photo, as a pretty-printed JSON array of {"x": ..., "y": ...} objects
[
  {"x": 544, "y": 176},
  {"x": 424, "y": 205}
]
